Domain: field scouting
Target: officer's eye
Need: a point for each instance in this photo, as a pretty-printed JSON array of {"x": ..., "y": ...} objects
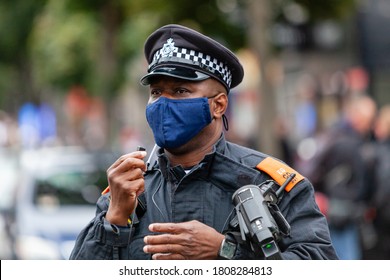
[
  {"x": 155, "y": 92},
  {"x": 182, "y": 91}
]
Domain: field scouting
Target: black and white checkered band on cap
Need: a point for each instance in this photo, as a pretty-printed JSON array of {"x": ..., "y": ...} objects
[
  {"x": 181, "y": 52},
  {"x": 169, "y": 54}
]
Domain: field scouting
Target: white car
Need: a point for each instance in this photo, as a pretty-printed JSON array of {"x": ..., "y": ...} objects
[{"x": 55, "y": 199}]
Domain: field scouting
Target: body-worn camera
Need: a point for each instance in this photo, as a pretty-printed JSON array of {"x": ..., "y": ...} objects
[{"x": 259, "y": 218}]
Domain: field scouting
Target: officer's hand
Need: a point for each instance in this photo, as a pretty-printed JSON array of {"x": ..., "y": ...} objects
[
  {"x": 188, "y": 240},
  {"x": 126, "y": 181}
]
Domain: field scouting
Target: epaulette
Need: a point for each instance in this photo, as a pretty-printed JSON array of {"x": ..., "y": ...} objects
[{"x": 279, "y": 171}]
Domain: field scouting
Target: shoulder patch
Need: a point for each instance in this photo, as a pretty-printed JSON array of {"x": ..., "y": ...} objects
[{"x": 279, "y": 171}]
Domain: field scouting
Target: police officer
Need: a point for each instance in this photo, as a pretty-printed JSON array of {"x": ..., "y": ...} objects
[{"x": 181, "y": 207}]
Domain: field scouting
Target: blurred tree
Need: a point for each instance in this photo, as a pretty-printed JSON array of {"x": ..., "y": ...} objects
[
  {"x": 91, "y": 41},
  {"x": 63, "y": 47},
  {"x": 327, "y": 9},
  {"x": 262, "y": 15},
  {"x": 16, "y": 22},
  {"x": 50, "y": 45}
]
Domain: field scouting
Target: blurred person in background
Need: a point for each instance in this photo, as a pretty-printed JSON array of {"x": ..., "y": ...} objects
[
  {"x": 339, "y": 174},
  {"x": 382, "y": 193},
  {"x": 180, "y": 207}
]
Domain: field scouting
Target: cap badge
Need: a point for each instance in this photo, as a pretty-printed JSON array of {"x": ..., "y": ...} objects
[{"x": 168, "y": 48}]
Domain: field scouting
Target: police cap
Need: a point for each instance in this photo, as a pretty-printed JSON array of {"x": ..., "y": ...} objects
[{"x": 178, "y": 51}]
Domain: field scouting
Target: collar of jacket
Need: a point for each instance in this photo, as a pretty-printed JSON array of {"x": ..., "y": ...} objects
[
  {"x": 175, "y": 173},
  {"x": 221, "y": 157}
]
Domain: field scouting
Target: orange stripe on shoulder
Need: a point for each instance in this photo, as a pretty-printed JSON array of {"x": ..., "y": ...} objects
[
  {"x": 106, "y": 190},
  {"x": 279, "y": 171}
]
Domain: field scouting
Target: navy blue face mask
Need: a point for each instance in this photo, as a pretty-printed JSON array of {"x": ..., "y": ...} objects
[{"x": 174, "y": 122}]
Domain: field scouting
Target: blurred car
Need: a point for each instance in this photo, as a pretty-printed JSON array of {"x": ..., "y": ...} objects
[
  {"x": 9, "y": 171},
  {"x": 55, "y": 199}
]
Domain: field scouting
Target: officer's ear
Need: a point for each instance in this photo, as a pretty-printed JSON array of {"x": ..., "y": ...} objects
[{"x": 219, "y": 105}]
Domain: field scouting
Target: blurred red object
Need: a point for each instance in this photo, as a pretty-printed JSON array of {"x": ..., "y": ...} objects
[{"x": 322, "y": 202}]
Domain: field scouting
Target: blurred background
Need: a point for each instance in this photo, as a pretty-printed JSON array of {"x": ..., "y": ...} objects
[{"x": 71, "y": 102}]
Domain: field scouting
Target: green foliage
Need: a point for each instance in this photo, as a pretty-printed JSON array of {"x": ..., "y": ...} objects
[
  {"x": 317, "y": 10},
  {"x": 93, "y": 42},
  {"x": 325, "y": 9},
  {"x": 67, "y": 38},
  {"x": 16, "y": 23},
  {"x": 63, "y": 47}
]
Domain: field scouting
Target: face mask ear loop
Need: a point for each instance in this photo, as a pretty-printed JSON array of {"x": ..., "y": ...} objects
[
  {"x": 225, "y": 122},
  {"x": 224, "y": 118}
]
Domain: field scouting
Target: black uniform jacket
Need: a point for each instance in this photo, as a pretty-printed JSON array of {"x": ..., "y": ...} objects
[{"x": 205, "y": 194}]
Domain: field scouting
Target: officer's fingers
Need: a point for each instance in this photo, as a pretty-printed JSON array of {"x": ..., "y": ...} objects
[
  {"x": 173, "y": 228},
  {"x": 163, "y": 248},
  {"x": 128, "y": 164},
  {"x": 168, "y": 257},
  {"x": 137, "y": 155},
  {"x": 122, "y": 173},
  {"x": 137, "y": 188},
  {"x": 140, "y": 190},
  {"x": 131, "y": 180},
  {"x": 135, "y": 174},
  {"x": 161, "y": 239},
  {"x": 124, "y": 193}
]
